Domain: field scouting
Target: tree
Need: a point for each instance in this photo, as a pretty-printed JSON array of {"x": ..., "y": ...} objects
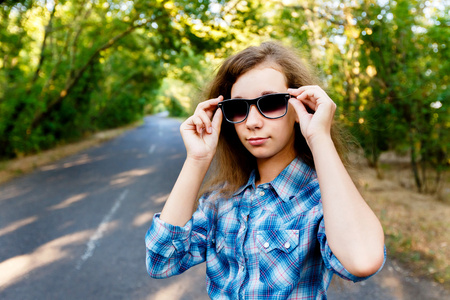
[{"x": 97, "y": 63}]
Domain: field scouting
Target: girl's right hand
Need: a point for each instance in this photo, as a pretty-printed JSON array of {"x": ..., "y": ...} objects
[{"x": 200, "y": 132}]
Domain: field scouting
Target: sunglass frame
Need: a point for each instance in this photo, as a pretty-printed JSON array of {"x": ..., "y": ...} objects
[{"x": 255, "y": 101}]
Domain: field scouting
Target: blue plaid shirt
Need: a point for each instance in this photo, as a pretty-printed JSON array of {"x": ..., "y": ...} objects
[{"x": 265, "y": 242}]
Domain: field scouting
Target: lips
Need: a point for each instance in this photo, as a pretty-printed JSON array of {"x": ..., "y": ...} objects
[{"x": 257, "y": 141}]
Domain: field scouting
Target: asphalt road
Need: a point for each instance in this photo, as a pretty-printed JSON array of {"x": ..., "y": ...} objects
[{"x": 75, "y": 229}]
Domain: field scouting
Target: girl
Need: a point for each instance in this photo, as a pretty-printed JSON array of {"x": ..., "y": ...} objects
[{"x": 279, "y": 213}]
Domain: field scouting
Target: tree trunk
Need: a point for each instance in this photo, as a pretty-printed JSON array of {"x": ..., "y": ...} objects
[{"x": 414, "y": 163}]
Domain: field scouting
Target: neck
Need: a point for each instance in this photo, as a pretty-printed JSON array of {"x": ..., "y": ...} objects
[{"x": 270, "y": 168}]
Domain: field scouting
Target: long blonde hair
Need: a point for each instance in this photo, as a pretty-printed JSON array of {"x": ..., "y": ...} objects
[{"x": 233, "y": 163}]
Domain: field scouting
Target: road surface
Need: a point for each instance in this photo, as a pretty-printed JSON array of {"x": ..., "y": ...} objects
[{"x": 75, "y": 229}]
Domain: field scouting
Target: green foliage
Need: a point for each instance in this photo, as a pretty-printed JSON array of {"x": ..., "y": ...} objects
[
  {"x": 404, "y": 92},
  {"x": 80, "y": 66},
  {"x": 77, "y": 66},
  {"x": 385, "y": 64}
]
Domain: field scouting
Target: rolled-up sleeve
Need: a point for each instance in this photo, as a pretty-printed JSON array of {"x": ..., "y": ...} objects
[
  {"x": 171, "y": 250},
  {"x": 332, "y": 262}
]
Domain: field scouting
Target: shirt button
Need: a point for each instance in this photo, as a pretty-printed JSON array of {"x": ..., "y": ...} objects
[
  {"x": 287, "y": 245},
  {"x": 242, "y": 268},
  {"x": 262, "y": 193},
  {"x": 266, "y": 245}
]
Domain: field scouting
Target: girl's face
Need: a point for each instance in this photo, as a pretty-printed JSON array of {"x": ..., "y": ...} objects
[{"x": 265, "y": 138}]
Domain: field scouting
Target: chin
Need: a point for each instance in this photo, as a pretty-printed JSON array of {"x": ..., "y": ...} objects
[{"x": 261, "y": 154}]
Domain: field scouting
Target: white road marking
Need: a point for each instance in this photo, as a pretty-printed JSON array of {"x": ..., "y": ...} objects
[
  {"x": 92, "y": 243},
  {"x": 152, "y": 149}
]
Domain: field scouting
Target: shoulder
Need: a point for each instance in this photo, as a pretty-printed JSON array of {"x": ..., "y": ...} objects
[
  {"x": 297, "y": 180},
  {"x": 311, "y": 191}
]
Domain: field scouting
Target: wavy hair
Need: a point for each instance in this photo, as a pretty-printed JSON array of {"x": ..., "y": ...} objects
[{"x": 233, "y": 163}]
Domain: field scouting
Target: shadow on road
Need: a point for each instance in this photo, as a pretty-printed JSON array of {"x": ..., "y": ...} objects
[{"x": 75, "y": 229}]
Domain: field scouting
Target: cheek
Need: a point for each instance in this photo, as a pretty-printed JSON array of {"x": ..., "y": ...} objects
[
  {"x": 287, "y": 128},
  {"x": 292, "y": 114},
  {"x": 289, "y": 121},
  {"x": 239, "y": 128}
]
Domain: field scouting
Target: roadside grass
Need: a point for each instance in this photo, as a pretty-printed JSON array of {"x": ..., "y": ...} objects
[
  {"x": 417, "y": 226},
  {"x": 10, "y": 169}
]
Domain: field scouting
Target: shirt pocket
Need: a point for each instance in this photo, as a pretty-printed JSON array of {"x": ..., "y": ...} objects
[{"x": 278, "y": 257}]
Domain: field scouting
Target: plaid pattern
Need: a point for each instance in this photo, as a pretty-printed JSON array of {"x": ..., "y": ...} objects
[{"x": 266, "y": 242}]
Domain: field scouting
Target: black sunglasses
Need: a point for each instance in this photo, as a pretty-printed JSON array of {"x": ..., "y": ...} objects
[{"x": 271, "y": 106}]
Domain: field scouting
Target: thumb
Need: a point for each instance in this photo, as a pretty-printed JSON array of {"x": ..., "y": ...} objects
[
  {"x": 299, "y": 108},
  {"x": 217, "y": 120}
]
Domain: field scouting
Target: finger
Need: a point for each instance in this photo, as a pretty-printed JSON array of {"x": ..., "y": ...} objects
[
  {"x": 294, "y": 92},
  {"x": 209, "y": 106},
  {"x": 309, "y": 104},
  {"x": 217, "y": 120},
  {"x": 312, "y": 98},
  {"x": 303, "y": 117},
  {"x": 188, "y": 124},
  {"x": 198, "y": 123},
  {"x": 308, "y": 93},
  {"x": 209, "y": 103},
  {"x": 315, "y": 93},
  {"x": 299, "y": 107},
  {"x": 297, "y": 91},
  {"x": 202, "y": 121},
  {"x": 203, "y": 114}
]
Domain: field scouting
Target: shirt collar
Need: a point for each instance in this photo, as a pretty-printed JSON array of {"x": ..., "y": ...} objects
[
  {"x": 250, "y": 182},
  {"x": 292, "y": 179},
  {"x": 289, "y": 182}
]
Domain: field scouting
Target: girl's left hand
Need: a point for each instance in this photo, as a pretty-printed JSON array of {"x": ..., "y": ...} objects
[{"x": 318, "y": 124}]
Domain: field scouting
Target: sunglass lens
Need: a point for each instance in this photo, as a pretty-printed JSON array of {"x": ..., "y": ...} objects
[
  {"x": 235, "y": 110},
  {"x": 273, "y": 106}
]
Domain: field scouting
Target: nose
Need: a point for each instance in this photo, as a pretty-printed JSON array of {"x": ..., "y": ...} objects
[{"x": 254, "y": 118}]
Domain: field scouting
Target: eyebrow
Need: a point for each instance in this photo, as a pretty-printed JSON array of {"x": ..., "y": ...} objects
[{"x": 262, "y": 94}]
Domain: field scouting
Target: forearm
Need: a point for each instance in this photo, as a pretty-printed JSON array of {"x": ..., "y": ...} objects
[
  {"x": 180, "y": 205},
  {"x": 172, "y": 249},
  {"x": 200, "y": 135},
  {"x": 353, "y": 231}
]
